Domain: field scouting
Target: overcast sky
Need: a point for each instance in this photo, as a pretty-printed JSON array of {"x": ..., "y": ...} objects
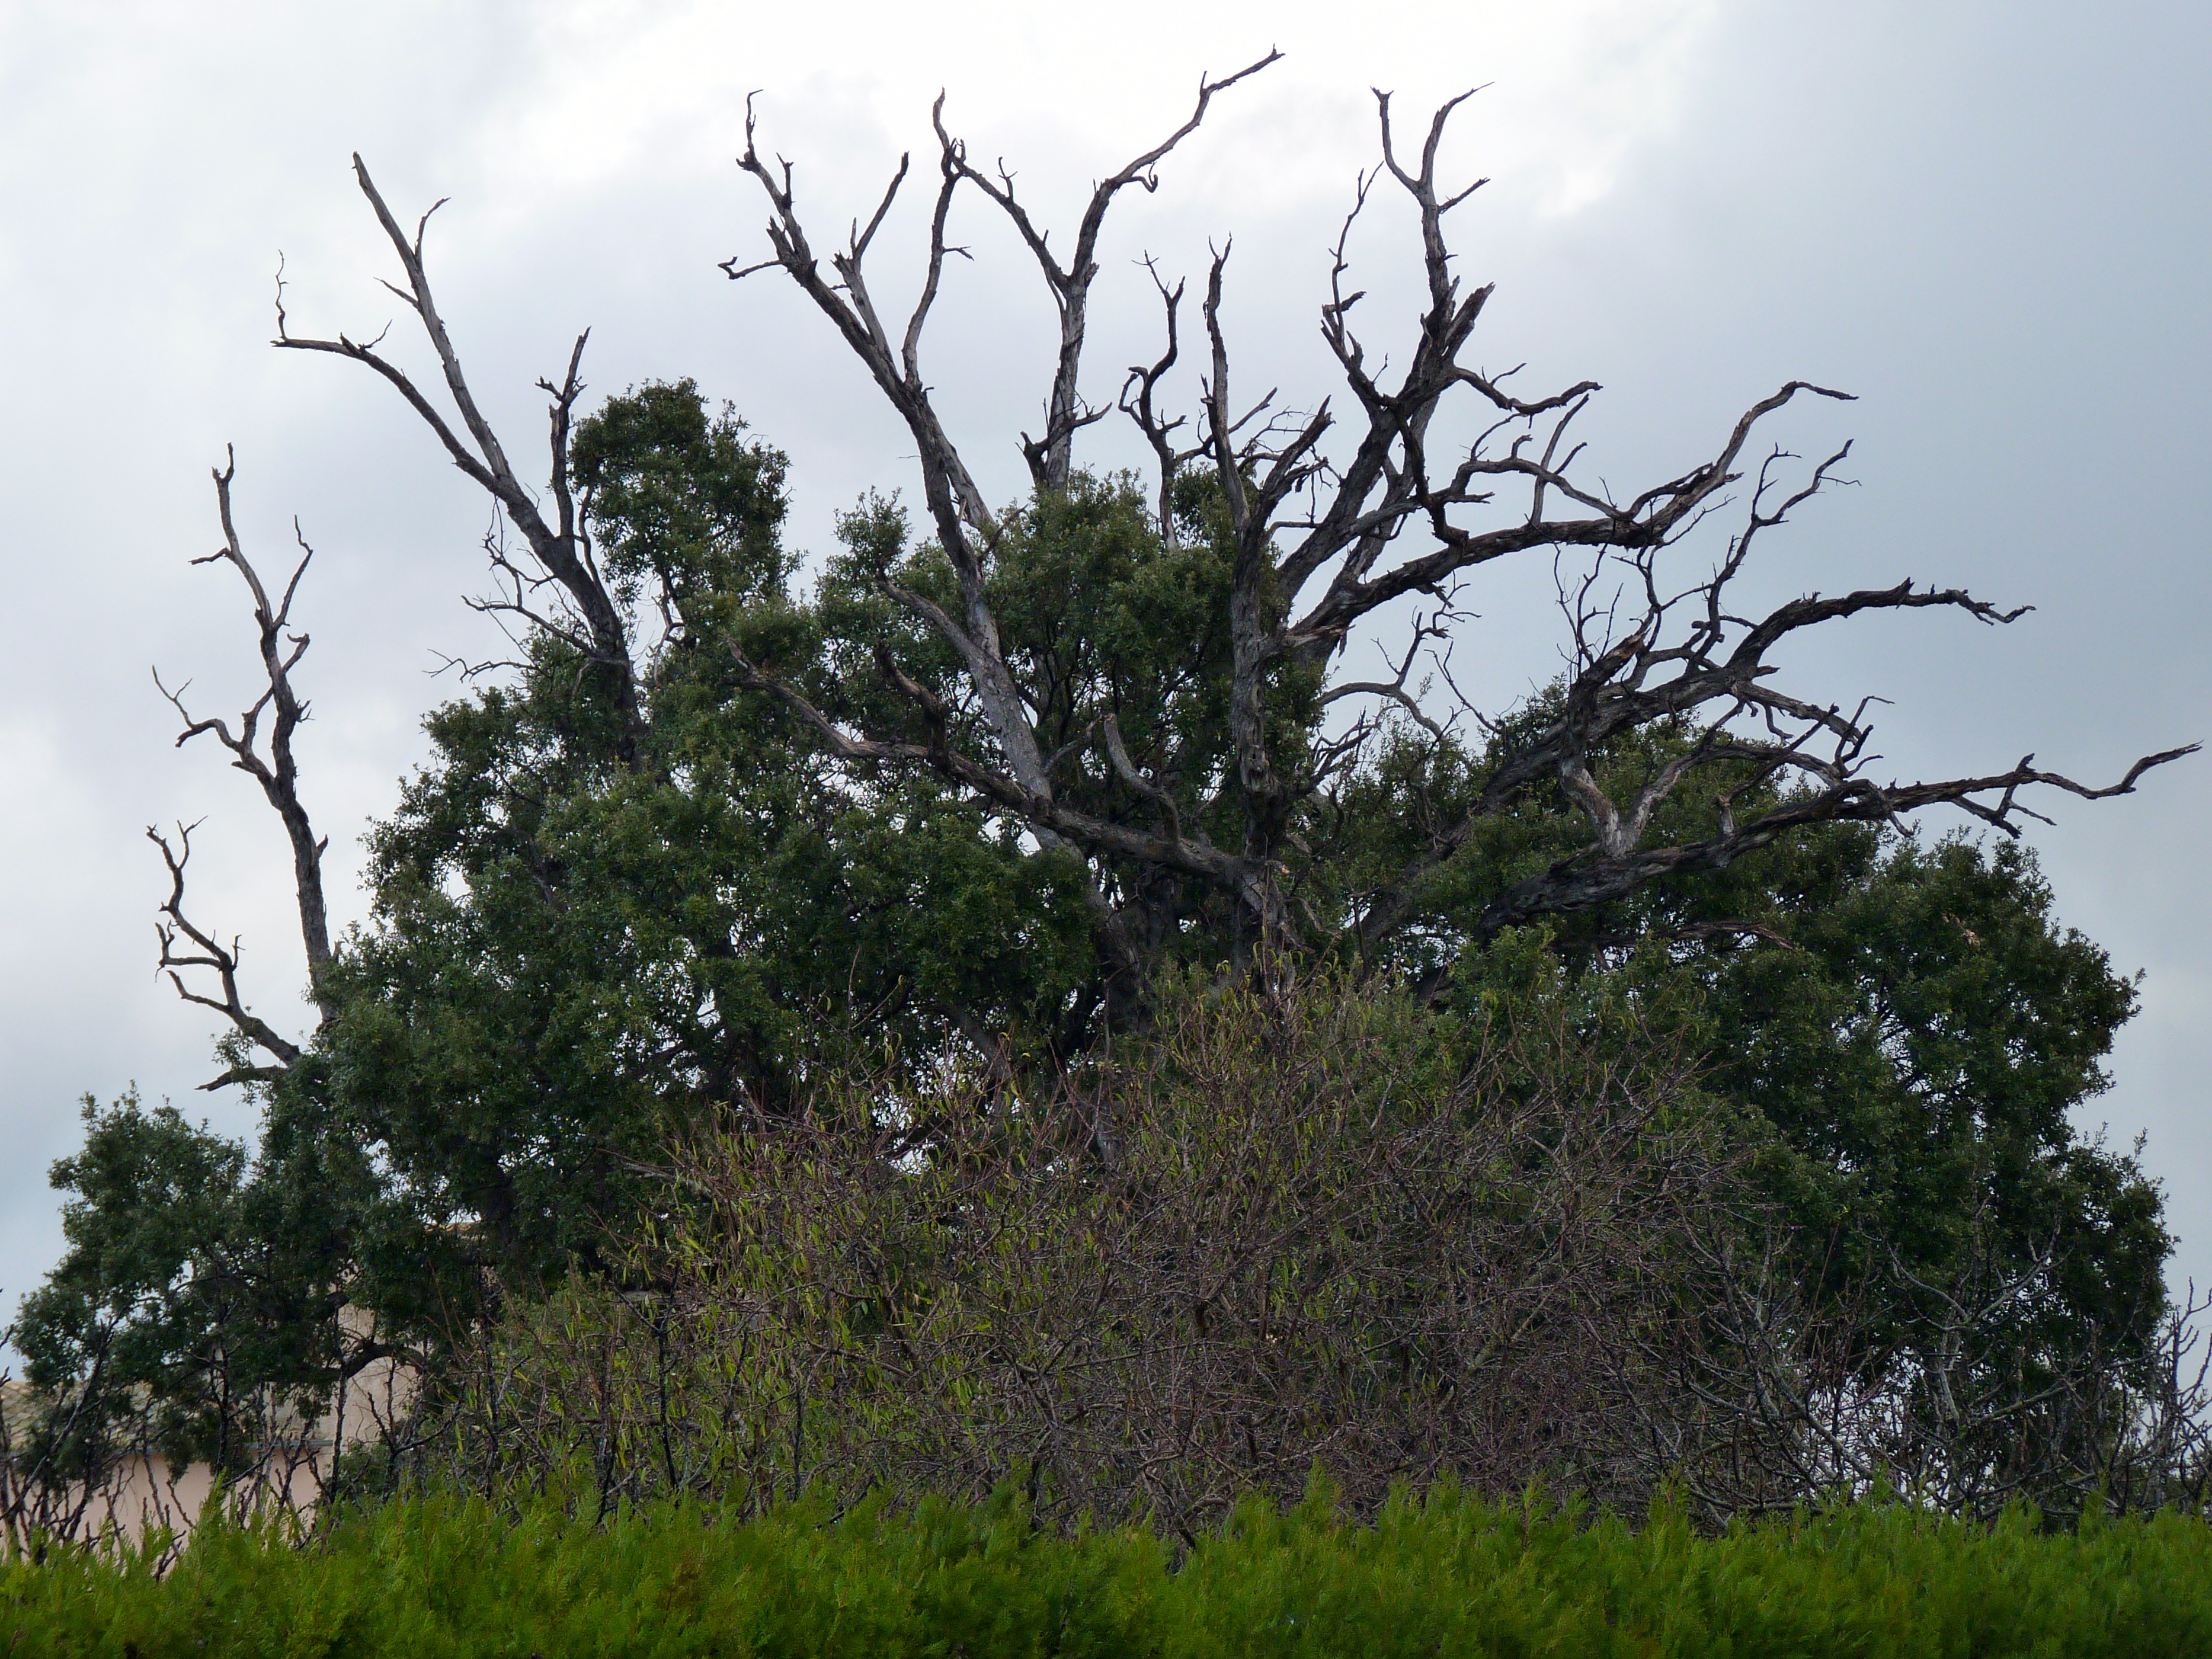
[{"x": 1988, "y": 220}]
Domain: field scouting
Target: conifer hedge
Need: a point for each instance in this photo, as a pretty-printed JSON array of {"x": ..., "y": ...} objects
[{"x": 436, "y": 1577}]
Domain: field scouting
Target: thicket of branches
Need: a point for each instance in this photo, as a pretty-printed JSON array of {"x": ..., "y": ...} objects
[{"x": 1330, "y": 1234}]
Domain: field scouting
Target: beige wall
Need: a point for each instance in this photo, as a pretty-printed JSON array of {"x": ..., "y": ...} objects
[{"x": 144, "y": 1493}]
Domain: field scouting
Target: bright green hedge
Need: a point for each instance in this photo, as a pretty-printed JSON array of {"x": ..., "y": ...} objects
[{"x": 1449, "y": 1576}]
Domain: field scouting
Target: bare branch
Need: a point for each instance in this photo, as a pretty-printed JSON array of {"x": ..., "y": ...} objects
[
  {"x": 278, "y": 774},
  {"x": 1126, "y": 770},
  {"x": 956, "y": 504},
  {"x": 210, "y": 956},
  {"x": 1138, "y": 401},
  {"x": 475, "y": 448},
  {"x": 1051, "y": 456}
]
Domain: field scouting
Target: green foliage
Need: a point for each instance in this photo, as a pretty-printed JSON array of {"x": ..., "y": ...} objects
[
  {"x": 1923, "y": 1050},
  {"x": 1100, "y": 618},
  {"x": 569, "y": 958},
  {"x": 1921, "y": 1034},
  {"x": 150, "y": 1192},
  {"x": 683, "y": 502},
  {"x": 187, "y": 1291},
  {"x": 1447, "y": 1574}
]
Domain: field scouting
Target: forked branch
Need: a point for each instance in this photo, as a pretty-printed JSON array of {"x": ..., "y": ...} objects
[
  {"x": 277, "y": 773},
  {"x": 1051, "y": 456},
  {"x": 187, "y": 947},
  {"x": 560, "y": 545}
]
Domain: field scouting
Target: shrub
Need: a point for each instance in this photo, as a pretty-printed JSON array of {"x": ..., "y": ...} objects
[{"x": 1305, "y": 1229}]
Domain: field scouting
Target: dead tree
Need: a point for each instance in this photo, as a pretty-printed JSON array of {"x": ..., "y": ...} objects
[
  {"x": 185, "y": 945},
  {"x": 1336, "y": 517}
]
